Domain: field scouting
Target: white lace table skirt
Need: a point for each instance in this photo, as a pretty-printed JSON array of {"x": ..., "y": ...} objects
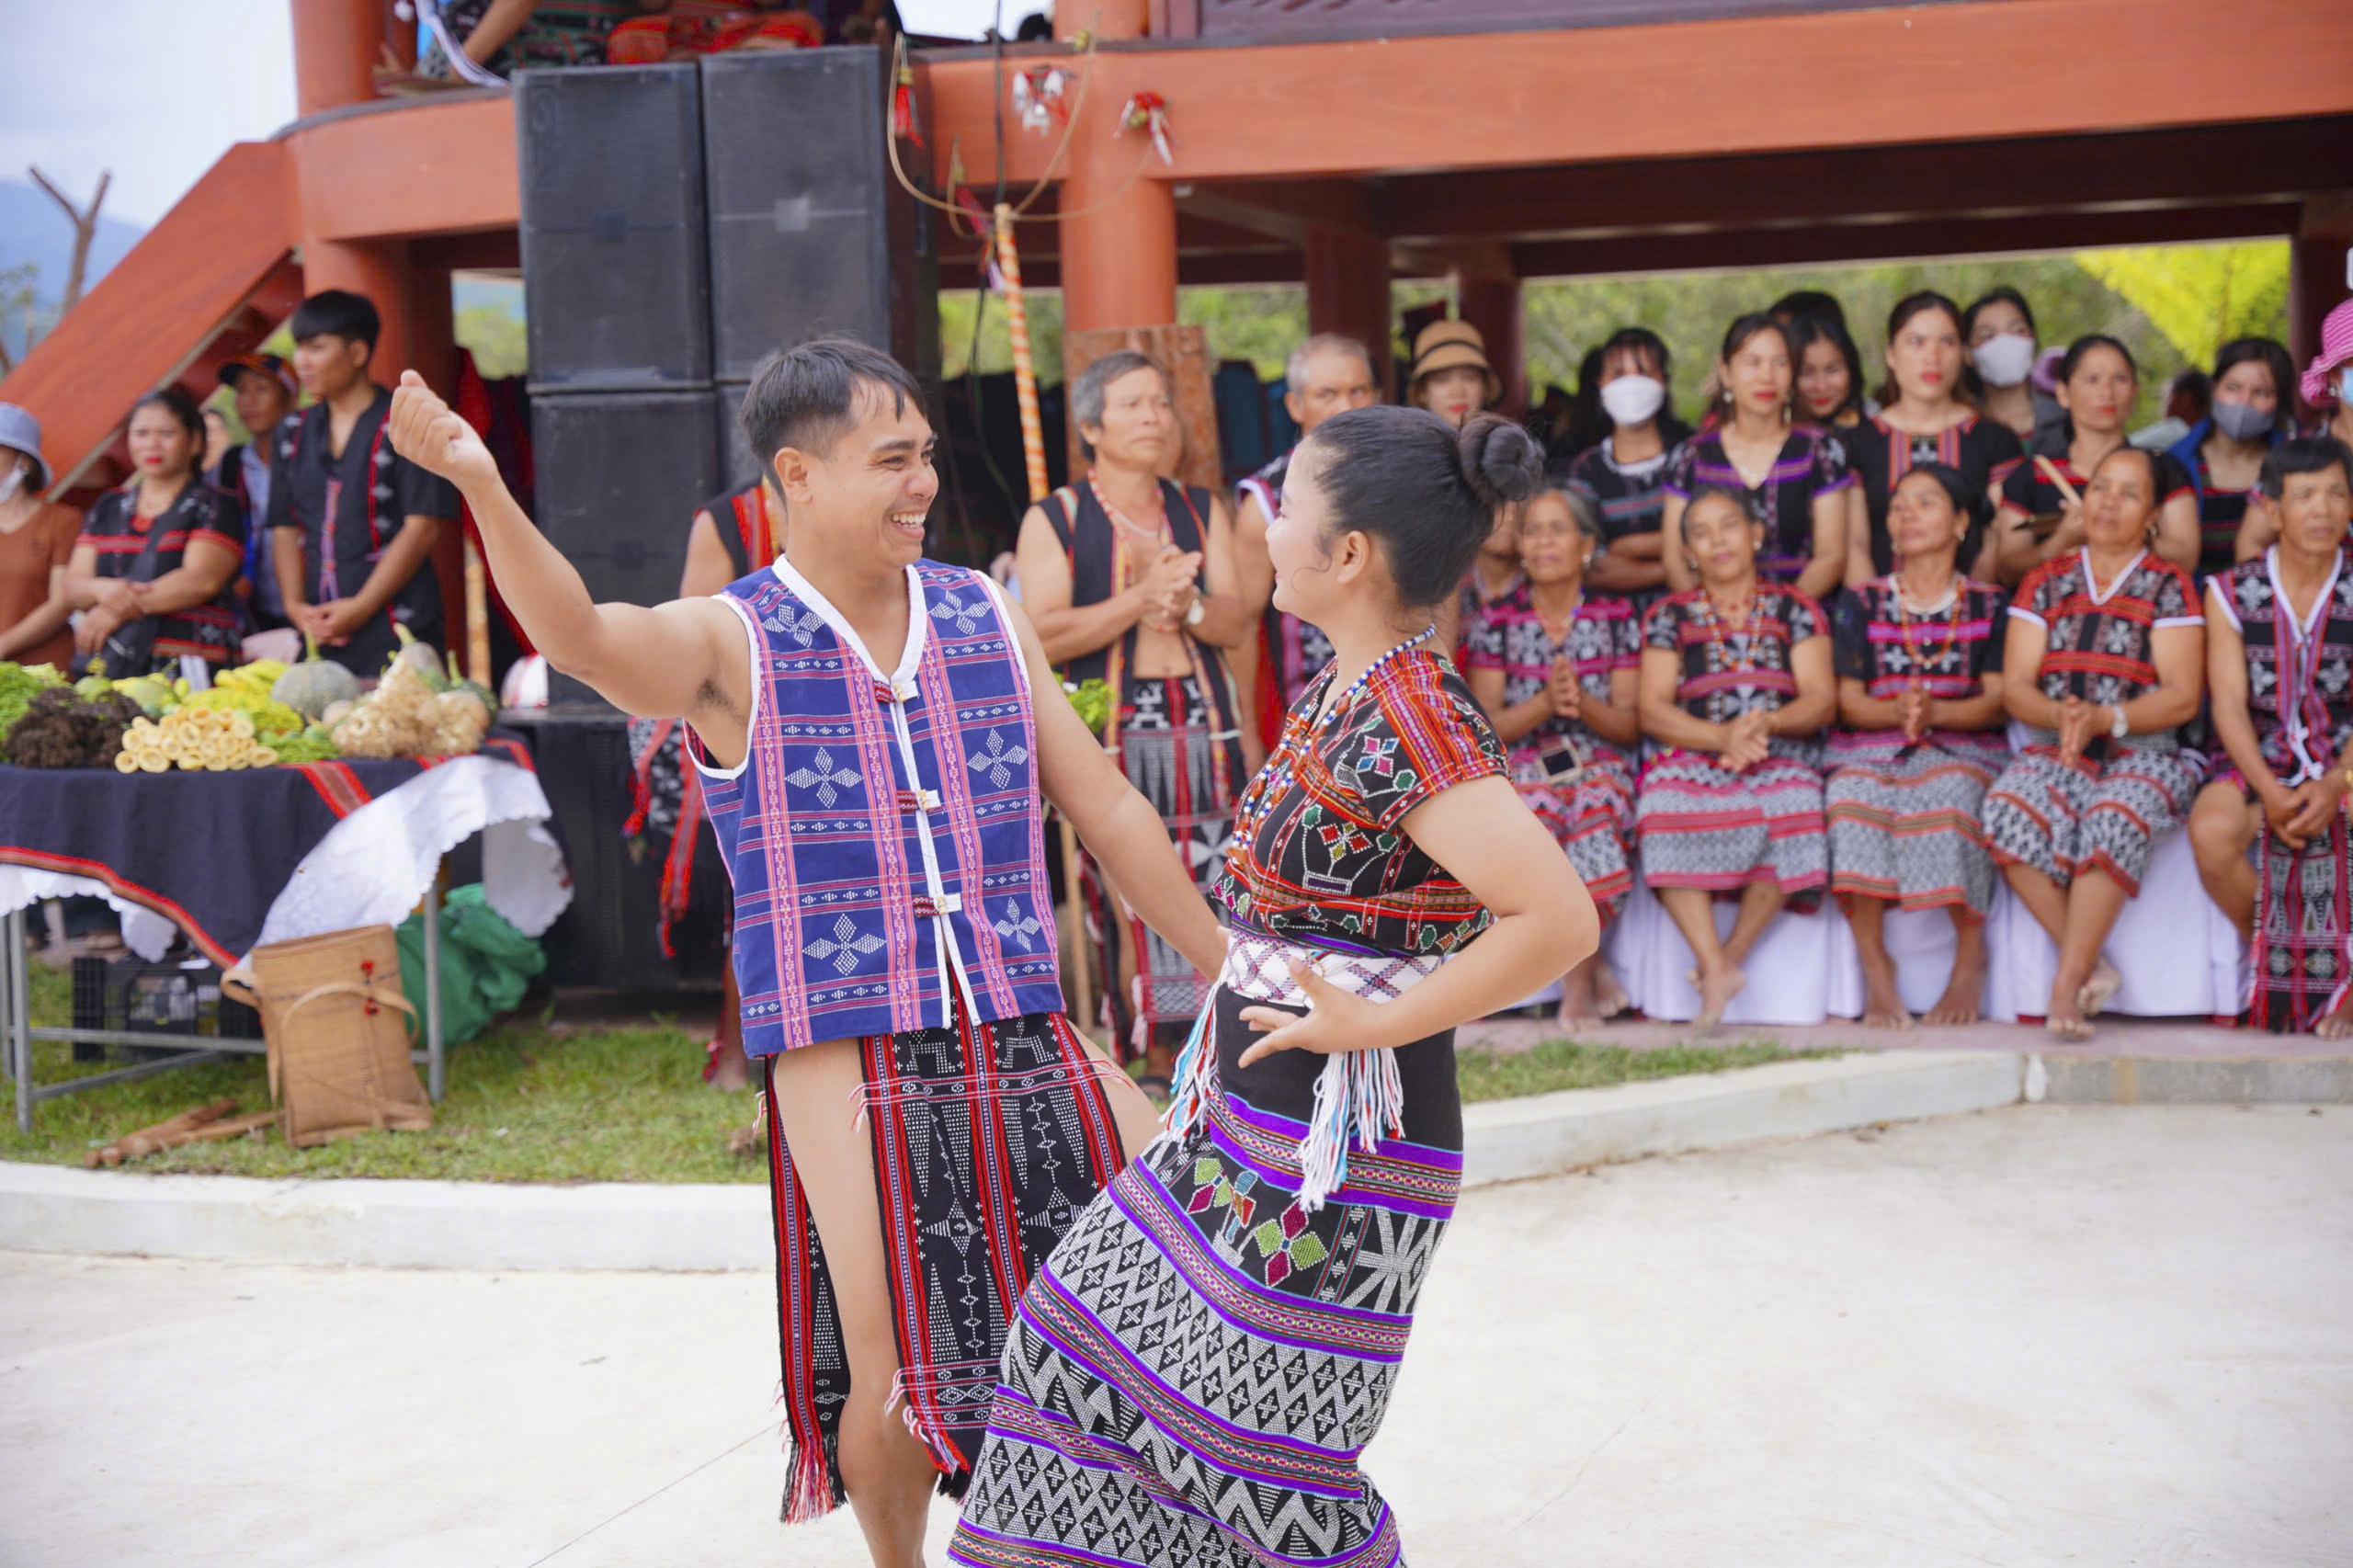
[{"x": 374, "y": 866}]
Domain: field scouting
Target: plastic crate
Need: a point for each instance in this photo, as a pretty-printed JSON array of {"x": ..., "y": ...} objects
[{"x": 154, "y": 999}]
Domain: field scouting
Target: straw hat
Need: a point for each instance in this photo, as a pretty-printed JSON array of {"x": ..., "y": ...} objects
[
  {"x": 2336, "y": 351},
  {"x": 20, "y": 432},
  {"x": 1443, "y": 345}
]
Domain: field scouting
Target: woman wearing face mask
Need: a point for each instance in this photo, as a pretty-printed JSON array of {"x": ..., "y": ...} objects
[
  {"x": 2223, "y": 452},
  {"x": 2000, "y": 330},
  {"x": 1622, "y": 475},
  {"x": 1830, "y": 374},
  {"x": 2098, "y": 383},
  {"x": 35, "y": 543},
  {"x": 1925, "y": 420},
  {"x": 2105, "y": 658},
  {"x": 1555, "y": 667},
  {"x": 1736, "y": 683},
  {"x": 153, "y": 569},
  {"x": 1794, "y": 475},
  {"x": 1920, "y": 656}
]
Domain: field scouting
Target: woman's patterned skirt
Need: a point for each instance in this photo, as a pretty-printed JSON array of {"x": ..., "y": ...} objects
[
  {"x": 1592, "y": 819},
  {"x": 1904, "y": 819},
  {"x": 1193, "y": 1374},
  {"x": 1702, "y": 825}
]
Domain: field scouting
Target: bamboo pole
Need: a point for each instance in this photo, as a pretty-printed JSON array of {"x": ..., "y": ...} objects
[
  {"x": 477, "y": 618},
  {"x": 1033, "y": 460}
]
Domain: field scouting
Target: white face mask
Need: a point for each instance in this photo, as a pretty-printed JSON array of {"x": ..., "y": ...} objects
[
  {"x": 1633, "y": 400},
  {"x": 11, "y": 481},
  {"x": 2003, "y": 361}
]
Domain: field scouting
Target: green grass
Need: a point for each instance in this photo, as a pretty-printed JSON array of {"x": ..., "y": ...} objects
[
  {"x": 1566, "y": 1064},
  {"x": 534, "y": 1101}
]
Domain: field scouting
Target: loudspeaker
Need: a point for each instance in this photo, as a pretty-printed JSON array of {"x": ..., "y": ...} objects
[
  {"x": 810, "y": 231},
  {"x": 619, "y": 476},
  {"x": 616, "y": 278},
  {"x": 737, "y": 466}
]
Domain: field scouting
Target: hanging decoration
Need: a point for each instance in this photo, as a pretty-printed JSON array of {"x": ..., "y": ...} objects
[
  {"x": 1040, "y": 99},
  {"x": 902, "y": 103},
  {"x": 1148, "y": 112}
]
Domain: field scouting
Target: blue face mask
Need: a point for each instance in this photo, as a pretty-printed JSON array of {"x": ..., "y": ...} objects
[{"x": 2345, "y": 386}]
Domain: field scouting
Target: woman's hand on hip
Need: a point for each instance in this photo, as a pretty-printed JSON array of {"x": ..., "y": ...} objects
[{"x": 1335, "y": 1020}]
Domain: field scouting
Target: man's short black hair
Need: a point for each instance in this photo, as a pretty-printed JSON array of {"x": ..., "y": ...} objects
[
  {"x": 338, "y": 313},
  {"x": 2303, "y": 454},
  {"x": 806, "y": 398}
]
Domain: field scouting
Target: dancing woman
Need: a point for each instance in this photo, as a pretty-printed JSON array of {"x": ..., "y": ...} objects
[{"x": 1192, "y": 1376}]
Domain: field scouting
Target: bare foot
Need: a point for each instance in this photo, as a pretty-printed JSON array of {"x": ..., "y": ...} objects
[
  {"x": 1610, "y": 998},
  {"x": 1958, "y": 1005},
  {"x": 1578, "y": 1010},
  {"x": 2069, "y": 1027},
  {"x": 2065, "y": 1020},
  {"x": 2098, "y": 988},
  {"x": 729, "y": 1069},
  {"x": 1883, "y": 1005},
  {"x": 2338, "y": 1025},
  {"x": 1716, "y": 988}
]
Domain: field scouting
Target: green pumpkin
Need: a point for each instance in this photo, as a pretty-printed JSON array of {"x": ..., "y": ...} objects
[{"x": 311, "y": 686}]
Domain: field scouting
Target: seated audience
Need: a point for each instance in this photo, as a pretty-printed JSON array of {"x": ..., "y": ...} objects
[
  {"x": 1791, "y": 476},
  {"x": 1623, "y": 474},
  {"x": 36, "y": 545},
  {"x": 1919, "y": 658},
  {"x": 2041, "y": 512},
  {"x": 2105, "y": 659},
  {"x": 1925, "y": 420},
  {"x": 2279, "y": 673},
  {"x": 1736, "y": 684},
  {"x": 2223, "y": 452},
  {"x": 489, "y": 40},
  {"x": 1556, "y": 669},
  {"x": 151, "y": 573}
]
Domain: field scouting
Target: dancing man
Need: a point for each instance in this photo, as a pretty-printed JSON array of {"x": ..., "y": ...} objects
[{"x": 862, "y": 720}]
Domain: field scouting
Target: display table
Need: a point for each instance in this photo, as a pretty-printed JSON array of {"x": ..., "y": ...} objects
[{"x": 237, "y": 860}]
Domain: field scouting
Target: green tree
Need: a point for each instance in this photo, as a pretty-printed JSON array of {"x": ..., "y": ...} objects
[
  {"x": 500, "y": 344},
  {"x": 2201, "y": 296}
]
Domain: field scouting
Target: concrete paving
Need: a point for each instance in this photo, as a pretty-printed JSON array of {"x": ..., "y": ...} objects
[{"x": 2044, "y": 1334}]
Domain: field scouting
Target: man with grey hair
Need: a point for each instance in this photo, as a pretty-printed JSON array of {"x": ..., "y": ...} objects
[
  {"x": 1128, "y": 578},
  {"x": 1324, "y": 375}
]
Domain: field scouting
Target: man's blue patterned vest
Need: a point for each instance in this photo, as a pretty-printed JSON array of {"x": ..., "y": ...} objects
[{"x": 884, "y": 834}]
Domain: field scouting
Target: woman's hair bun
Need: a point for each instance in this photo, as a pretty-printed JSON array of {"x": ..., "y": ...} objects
[{"x": 1501, "y": 462}]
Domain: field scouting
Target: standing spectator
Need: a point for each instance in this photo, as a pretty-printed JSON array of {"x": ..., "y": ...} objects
[
  {"x": 2105, "y": 662},
  {"x": 1325, "y": 375},
  {"x": 1829, "y": 374},
  {"x": 353, "y": 521},
  {"x": 1920, "y": 656},
  {"x": 36, "y": 545},
  {"x": 2280, "y": 673},
  {"x": 2327, "y": 385},
  {"x": 1129, "y": 580},
  {"x": 263, "y": 386},
  {"x": 2223, "y": 452},
  {"x": 1557, "y": 670},
  {"x": 1450, "y": 375},
  {"x": 2098, "y": 384},
  {"x": 1624, "y": 474},
  {"x": 154, "y": 567},
  {"x": 1736, "y": 684},
  {"x": 2000, "y": 330},
  {"x": 1793, "y": 476},
  {"x": 1924, "y": 420}
]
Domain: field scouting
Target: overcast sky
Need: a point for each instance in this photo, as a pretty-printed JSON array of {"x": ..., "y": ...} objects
[{"x": 156, "y": 89}]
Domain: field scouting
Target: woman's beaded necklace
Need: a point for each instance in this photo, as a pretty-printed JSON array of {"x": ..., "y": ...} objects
[
  {"x": 1298, "y": 731},
  {"x": 1903, "y": 624},
  {"x": 1751, "y": 631}
]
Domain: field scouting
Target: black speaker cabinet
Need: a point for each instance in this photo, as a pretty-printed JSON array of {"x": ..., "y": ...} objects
[
  {"x": 616, "y": 278},
  {"x": 608, "y": 937},
  {"x": 810, "y": 232},
  {"x": 737, "y": 466},
  {"x": 619, "y": 476}
]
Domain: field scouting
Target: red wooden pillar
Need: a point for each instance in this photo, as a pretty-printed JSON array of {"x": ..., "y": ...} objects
[
  {"x": 1492, "y": 305},
  {"x": 1118, "y": 247},
  {"x": 1348, "y": 292},
  {"x": 334, "y": 53}
]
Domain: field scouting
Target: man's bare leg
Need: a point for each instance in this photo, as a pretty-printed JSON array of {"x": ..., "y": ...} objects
[
  {"x": 2222, "y": 825},
  {"x": 885, "y": 1468}
]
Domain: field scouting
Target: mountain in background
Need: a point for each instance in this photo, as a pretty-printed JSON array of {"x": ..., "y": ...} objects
[{"x": 34, "y": 233}]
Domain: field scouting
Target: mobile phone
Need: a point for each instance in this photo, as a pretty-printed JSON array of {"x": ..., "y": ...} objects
[{"x": 1557, "y": 761}]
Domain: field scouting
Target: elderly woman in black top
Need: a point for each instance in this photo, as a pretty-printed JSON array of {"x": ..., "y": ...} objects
[{"x": 151, "y": 571}]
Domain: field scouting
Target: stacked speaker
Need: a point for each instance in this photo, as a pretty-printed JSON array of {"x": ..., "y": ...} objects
[{"x": 679, "y": 224}]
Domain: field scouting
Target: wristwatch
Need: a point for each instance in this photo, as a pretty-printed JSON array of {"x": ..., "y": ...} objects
[
  {"x": 2116, "y": 728},
  {"x": 1195, "y": 614}
]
